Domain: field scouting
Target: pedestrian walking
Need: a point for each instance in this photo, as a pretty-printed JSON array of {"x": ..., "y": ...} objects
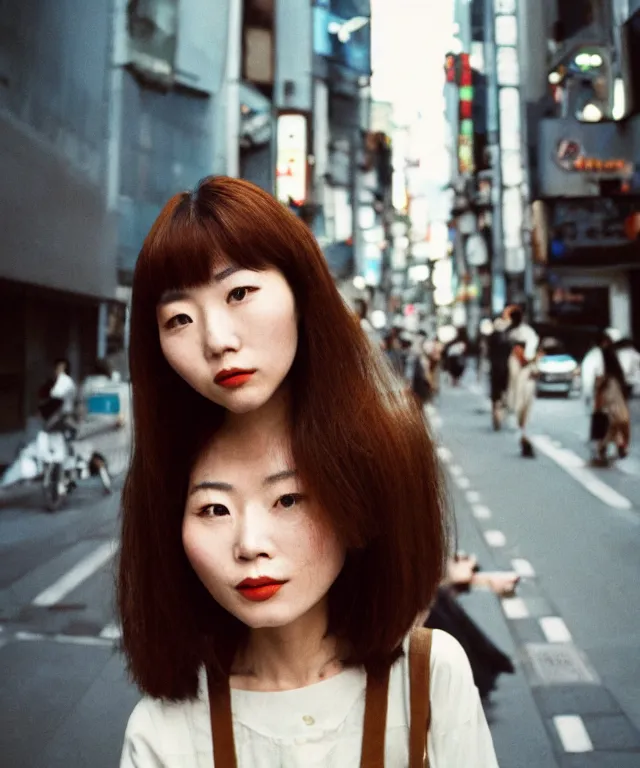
[
  {"x": 283, "y": 523},
  {"x": 455, "y": 356},
  {"x": 393, "y": 349},
  {"x": 610, "y": 403},
  {"x": 522, "y": 373},
  {"x": 58, "y": 399},
  {"x": 417, "y": 370},
  {"x": 498, "y": 353}
]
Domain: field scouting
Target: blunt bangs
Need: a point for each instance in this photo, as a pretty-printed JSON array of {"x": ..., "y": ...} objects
[{"x": 223, "y": 221}]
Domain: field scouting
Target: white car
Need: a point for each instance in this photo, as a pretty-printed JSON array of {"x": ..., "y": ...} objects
[{"x": 558, "y": 372}]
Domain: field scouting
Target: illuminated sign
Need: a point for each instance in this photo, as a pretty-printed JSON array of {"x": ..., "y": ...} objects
[
  {"x": 466, "y": 164},
  {"x": 571, "y": 157},
  {"x": 291, "y": 167}
]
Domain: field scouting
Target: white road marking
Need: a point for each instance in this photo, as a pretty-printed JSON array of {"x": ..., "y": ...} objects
[
  {"x": 444, "y": 454},
  {"x": 515, "y": 608},
  {"x": 630, "y": 467},
  {"x": 481, "y": 512},
  {"x": 572, "y": 733},
  {"x": 523, "y": 568},
  {"x": 111, "y": 632},
  {"x": 495, "y": 538},
  {"x": 64, "y": 639},
  {"x": 463, "y": 482},
  {"x": 79, "y": 573},
  {"x": 473, "y": 497},
  {"x": 576, "y": 467},
  {"x": 555, "y": 630},
  {"x": 456, "y": 470}
]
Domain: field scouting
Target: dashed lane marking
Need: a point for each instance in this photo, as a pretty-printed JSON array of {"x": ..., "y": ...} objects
[
  {"x": 79, "y": 573},
  {"x": 572, "y": 733},
  {"x": 111, "y": 632},
  {"x": 575, "y": 466},
  {"x": 555, "y": 630},
  {"x": 495, "y": 538},
  {"x": 456, "y": 470},
  {"x": 444, "y": 454},
  {"x": 463, "y": 482},
  {"x": 523, "y": 568},
  {"x": 473, "y": 497},
  {"x": 515, "y": 608},
  {"x": 481, "y": 512}
]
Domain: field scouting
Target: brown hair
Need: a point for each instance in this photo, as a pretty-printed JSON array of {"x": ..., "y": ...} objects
[{"x": 359, "y": 443}]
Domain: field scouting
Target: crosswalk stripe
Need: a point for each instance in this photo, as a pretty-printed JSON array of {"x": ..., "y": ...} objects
[
  {"x": 79, "y": 573},
  {"x": 97, "y": 642}
]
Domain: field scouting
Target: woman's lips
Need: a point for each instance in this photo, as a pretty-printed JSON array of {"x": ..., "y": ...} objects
[
  {"x": 260, "y": 590},
  {"x": 233, "y": 379}
]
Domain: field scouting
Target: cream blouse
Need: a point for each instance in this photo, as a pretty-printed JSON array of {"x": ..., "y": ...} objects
[{"x": 321, "y": 724}]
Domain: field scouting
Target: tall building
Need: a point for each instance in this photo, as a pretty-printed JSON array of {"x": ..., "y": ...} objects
[
  {"x": 582, "y": 136},
  {"x": 106, "y": 110},
  {"x": 58, "y": 272}
]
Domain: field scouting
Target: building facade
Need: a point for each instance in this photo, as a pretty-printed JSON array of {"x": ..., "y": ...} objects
[{"x": 58, "y": 273}]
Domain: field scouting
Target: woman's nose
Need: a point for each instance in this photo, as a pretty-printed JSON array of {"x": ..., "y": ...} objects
[
  {"x": 252, "y": 538},
  {"x": 220, "y": 336}
]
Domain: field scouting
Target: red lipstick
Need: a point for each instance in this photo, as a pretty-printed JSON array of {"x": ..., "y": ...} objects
[
  {"x": 259, "y": 590},
  {"x": 232, "y": 378}
]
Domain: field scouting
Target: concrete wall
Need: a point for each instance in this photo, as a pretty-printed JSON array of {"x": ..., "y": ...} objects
[
  {"x": 171, "y": 138},
  {"x": 53, "y": 127},
  {"x": 294, "y": 55}
]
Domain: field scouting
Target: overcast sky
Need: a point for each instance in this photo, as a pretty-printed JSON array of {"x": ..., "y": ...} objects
[{"x": 409, "y": 41}]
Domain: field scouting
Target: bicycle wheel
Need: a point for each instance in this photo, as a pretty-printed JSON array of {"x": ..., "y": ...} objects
[
  {"x": 105, "y": 478},
  {"x": 52, "y": 487}
]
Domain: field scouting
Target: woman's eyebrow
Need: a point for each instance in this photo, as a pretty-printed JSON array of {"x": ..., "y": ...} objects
[
  {"x": 172, "y": 295},
  {"x": 279, "y": 476},
  {"x": 225, "y": 273},
  {"x": 210, "y": 485}
]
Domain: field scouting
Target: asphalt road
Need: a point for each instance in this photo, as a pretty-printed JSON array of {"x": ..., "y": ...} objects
[{"x": 573, "y": 631}]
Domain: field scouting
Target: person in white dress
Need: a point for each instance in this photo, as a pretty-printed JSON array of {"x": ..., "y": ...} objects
[{"x": 283, "y": 523}]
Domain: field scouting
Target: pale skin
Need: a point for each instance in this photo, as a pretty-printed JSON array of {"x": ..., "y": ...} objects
[
  {"x": 241, "y": 319},
  {"x": 248, "y": 320},
  {"x": 247, "y": 516}
]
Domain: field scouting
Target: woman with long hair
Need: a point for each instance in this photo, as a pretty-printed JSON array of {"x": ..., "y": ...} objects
[
  {"x": 284, "y": 521},
  {"x": 611, "y": 399}
]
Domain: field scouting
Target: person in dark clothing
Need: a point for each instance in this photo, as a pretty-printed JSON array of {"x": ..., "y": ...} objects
[
  {"x": 498, "y": 353},
  {"x": 487, "y": 661},
  {"x": 394, "y": 351}
]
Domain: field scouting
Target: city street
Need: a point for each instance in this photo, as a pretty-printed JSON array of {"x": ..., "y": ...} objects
[{"x": 572, "y": 532}]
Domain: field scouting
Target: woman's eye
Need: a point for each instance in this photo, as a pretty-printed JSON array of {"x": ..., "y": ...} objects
[
  {"x": 178, "y": 320},
  {"x": 290, "y": 500},
  {"x": 239, "y": 294},
  {"x": 213, "y": 510}
]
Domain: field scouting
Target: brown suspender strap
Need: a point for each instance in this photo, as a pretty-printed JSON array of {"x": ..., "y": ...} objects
[
  {"x": 419, "y": 673},
  {"x": 375, "y": 721},
  {"x": 224, "y": 750}
]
